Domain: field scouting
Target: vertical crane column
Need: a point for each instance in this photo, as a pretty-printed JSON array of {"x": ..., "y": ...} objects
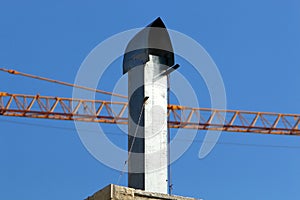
[{"x": 147, "y": 69}]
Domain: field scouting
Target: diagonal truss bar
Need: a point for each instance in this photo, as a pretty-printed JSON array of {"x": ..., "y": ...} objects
[{"x": 47, "y": 107}]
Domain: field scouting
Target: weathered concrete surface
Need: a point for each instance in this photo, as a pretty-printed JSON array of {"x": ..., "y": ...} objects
[
  {"x": 115, "y": 192},
  {"x": 147, "y": 127}
]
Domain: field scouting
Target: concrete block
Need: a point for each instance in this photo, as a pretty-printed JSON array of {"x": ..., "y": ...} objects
[{"x": 115, "y": 192}]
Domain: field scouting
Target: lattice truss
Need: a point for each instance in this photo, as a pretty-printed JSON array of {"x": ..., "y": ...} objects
[{"x": 48, "y": 107}]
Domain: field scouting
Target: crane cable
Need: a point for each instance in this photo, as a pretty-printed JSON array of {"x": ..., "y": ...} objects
[
  {"x": 14, "y": 72},
  {"x": 170, "y": 184},
  {"x": 133, "y": 140}
]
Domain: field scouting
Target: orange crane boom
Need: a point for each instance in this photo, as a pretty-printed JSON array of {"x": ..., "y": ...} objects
[{"x": 47, "y": 107}]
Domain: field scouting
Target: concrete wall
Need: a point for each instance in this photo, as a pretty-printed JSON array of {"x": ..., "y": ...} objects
[{"x": 115, "y": 192}]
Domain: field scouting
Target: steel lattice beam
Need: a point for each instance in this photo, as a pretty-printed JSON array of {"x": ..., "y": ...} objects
[{"x": 47, "y": 107}]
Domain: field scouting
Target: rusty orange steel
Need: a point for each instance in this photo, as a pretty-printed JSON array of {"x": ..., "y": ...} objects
[{"x": 47, "y": 107}]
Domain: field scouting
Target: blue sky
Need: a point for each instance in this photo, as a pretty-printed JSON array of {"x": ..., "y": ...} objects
[{"x": 255, "y": 45}]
